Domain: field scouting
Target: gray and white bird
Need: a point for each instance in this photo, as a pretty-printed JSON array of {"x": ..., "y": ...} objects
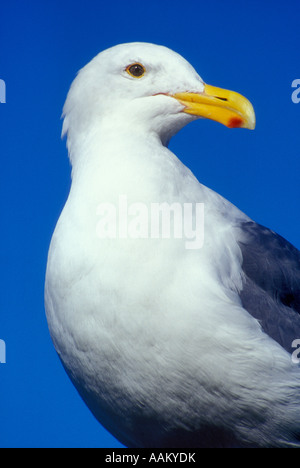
[{"x": 169, "y": 344}]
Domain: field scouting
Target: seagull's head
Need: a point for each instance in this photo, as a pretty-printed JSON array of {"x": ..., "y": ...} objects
[{"x": 149, "y": 88}]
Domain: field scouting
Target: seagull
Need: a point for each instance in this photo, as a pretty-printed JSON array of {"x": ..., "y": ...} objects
[{"x": 171, "y": 340}]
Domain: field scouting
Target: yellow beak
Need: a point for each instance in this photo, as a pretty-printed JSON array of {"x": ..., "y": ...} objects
[{"x": 227, "y": 107}]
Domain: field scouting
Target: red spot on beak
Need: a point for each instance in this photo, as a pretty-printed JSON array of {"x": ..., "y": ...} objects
[{"x": 235, "y": 122}]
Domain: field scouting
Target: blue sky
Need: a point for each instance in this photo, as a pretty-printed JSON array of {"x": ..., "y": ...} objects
[{"x": 251, "y": 47}]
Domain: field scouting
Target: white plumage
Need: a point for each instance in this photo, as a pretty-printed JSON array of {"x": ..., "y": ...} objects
[{"x": 153, "y": 335}]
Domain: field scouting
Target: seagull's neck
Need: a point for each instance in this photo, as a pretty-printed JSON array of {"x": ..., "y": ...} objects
[
  {"x": 120, "y": 161},
  {"x": 109, "y": 164}
]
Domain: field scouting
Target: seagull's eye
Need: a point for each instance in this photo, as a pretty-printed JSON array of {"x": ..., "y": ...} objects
[{"x": 136, "y": 70}]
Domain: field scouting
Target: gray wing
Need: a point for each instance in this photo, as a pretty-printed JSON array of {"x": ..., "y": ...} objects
[{"x": 271, "y": 291}]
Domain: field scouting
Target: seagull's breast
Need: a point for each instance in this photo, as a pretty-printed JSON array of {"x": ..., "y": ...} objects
[{"x": 127, "y": 315}]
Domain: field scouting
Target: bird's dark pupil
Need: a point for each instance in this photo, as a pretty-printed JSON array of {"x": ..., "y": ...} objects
[{"x": 136, "y": 70}]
